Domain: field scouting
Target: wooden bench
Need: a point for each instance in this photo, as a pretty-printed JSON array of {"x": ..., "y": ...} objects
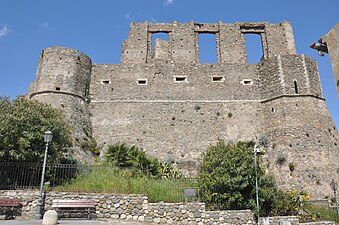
[
  {"x": 81, "y": 205},
  {"x": 8, "y": 205}
]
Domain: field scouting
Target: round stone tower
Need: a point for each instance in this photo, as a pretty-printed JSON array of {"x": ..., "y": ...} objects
[
  {"x": 302, "y": 140},
  {"x": 62, "y": 80}
]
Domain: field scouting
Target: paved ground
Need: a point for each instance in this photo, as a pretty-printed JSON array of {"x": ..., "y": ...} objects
[{"x": 69, "y": 222}]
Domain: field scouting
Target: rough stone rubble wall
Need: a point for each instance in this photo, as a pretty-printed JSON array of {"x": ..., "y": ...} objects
[
  {"x": 137, "y": 208},
  {"x": 134, "y": 208},
  {"x": 183, "y": 41}
]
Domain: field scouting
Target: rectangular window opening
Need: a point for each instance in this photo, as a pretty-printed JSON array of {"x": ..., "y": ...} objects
[
  {"x": 254, "y": 47},
  {"x": 207, "y": 48},
  {"x": 247, "y": 82},
  {"x": 142, "y": 81},
  {"x": 159, "y": 36},
  {"x": 218, "y": 79},
  {"x": 295, "y": 86},
  {"x": 180, "y": 79},
  {"x": 105, "y": 81}
]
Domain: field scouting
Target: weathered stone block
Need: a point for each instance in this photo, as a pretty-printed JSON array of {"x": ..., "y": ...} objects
[{"x": 50, "y": 218}]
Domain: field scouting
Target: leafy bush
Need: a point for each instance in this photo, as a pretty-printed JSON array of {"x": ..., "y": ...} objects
[
  {"x": 288, "y": 202},
  {"x": 136, "y": 159},
  {"x": 23, "y": 124},
  {"x": 227, "y": 178},
  {"x": 227, "y": 181}
]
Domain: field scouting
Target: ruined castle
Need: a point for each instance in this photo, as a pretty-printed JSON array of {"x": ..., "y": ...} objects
[{"x": 160, "y": 98}]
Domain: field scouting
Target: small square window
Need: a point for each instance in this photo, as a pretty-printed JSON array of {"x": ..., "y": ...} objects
[
  {"x": 180, "y": 79},
  {"x": 142, "y": 81}
]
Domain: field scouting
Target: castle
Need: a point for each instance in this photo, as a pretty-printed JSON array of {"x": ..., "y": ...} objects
[{"x": 162, "y": 99}]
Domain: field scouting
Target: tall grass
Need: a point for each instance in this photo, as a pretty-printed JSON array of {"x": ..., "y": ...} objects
[
  {"x": 117, "y": 181},
  {"x": 318, "y": 213}
]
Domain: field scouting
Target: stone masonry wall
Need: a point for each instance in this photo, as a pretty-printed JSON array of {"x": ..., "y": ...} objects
[
  {"x": 137, "y": 208},
  {"x": 332, "y": 42},
  {"x": 174, "y": 126},
  {"x": 197, "y": 112},
  {"x": 302, "y": 151},
  {"x": 163, "y": 100},
  {"x": 134, "y": 208},
  {"x": 183, "y": 40}
]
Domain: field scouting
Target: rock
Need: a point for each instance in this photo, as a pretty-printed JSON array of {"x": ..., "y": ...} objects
[
  {"x": 141, "y": 218},
  {"x": 115, "y": 216},
  {"x": 120, "y": 211},
  {"x": 148, "y": 219},
  {"x": 50, "y": 218}
]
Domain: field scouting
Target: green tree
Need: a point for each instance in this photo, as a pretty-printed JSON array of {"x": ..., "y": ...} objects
[
  {"x": 23, "y": 124},
  {"x": 227, "y": 178}
]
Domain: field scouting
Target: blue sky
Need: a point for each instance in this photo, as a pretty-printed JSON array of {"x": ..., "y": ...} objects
[{"x": 98, "y": 28}]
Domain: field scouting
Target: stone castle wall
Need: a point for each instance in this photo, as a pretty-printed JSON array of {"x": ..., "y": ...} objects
[
  {"x": 162, "y": 99},
  {"x": 332, "y": 42}
]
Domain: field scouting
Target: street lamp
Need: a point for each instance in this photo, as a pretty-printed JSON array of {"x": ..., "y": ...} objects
[
  {"x": 48, "y": 136},
  {"x": 334, "y": 186},
  {"x": 255, "y": 151}
]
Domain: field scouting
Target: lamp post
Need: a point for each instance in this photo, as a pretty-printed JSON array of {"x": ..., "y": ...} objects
[
  {"x": 255, "y": 151},
  {"x": 334, "y": 186},
  {"x": 47, "y": 138}
]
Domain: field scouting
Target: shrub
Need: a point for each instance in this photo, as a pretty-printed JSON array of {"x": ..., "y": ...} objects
[
  {"x": 288, "y": 202},
  {"x": 136, "y": 159},
  {"x": 227, "y": 178}
]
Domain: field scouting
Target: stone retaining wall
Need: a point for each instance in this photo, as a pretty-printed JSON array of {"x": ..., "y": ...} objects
[{"x": 137, "y": 208}]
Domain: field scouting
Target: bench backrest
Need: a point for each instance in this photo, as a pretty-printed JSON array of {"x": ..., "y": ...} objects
[
  {"x": 10, "y": 202},
  {"x": 67, "y": 203}
]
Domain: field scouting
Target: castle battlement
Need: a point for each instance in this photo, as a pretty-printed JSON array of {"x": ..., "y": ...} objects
[{"x": 162, "y": 99}]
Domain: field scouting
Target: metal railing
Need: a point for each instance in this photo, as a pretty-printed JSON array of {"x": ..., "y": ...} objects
[{"x": 18, "y": 175}]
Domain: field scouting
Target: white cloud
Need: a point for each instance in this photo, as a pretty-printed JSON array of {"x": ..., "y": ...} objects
[
  {"x": 4, "y": 31},
  {"x": 128, "y": 16},
  {"x": 168, "y": 2}
]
